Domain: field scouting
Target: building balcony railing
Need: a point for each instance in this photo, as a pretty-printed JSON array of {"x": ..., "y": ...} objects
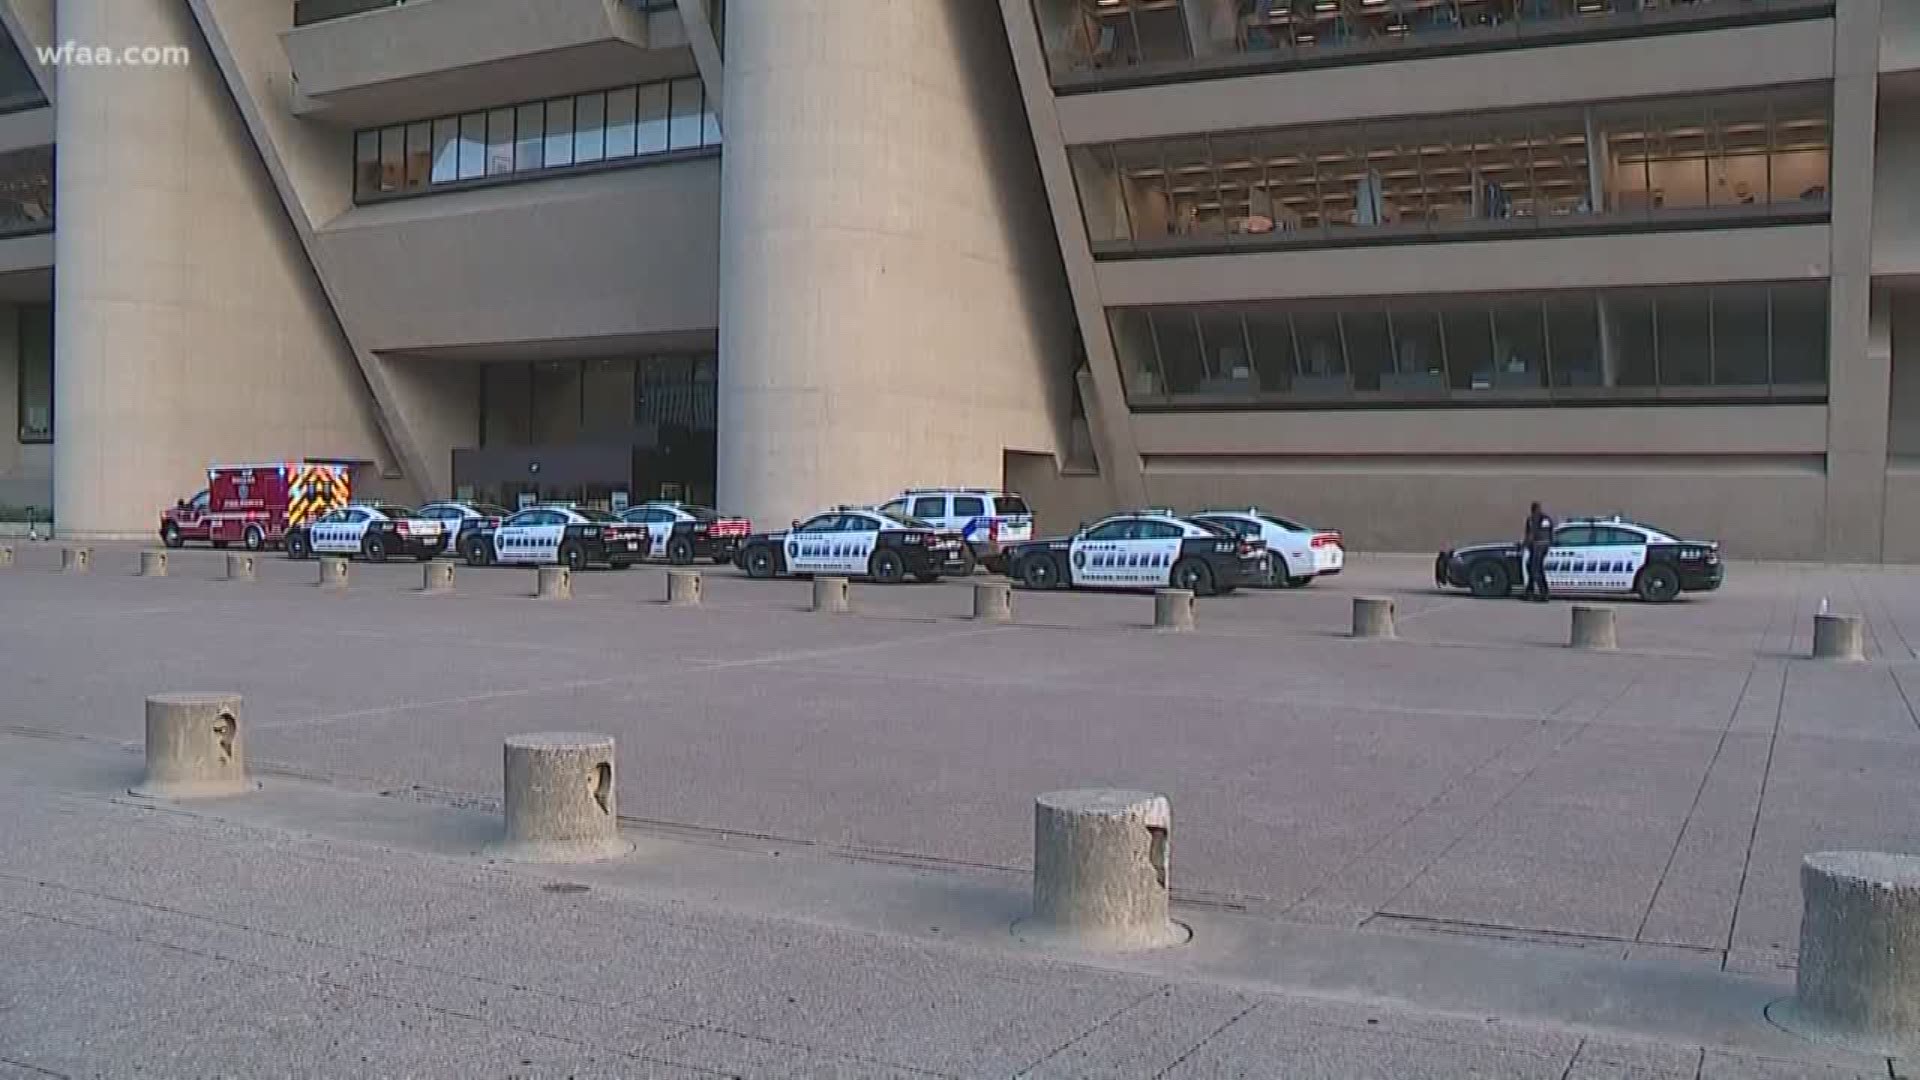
[{"x": 1104, "y": 44}]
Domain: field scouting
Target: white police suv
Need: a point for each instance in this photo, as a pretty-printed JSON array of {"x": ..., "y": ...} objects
[
  {"x": 375, "y": 532},
  {"x": 574, "y": 537},
  {"x": 1141, "y": 550},
  {"x": 857, "y": 541},
  {"x": 1296, "y": 553},
  {"x": 986, "y": 518}
]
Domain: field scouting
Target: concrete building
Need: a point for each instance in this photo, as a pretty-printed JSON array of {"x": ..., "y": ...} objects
[{"x": 1396, "y": 266}]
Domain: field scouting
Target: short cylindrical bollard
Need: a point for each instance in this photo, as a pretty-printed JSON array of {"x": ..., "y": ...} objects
[
  {"x": 684, "y": 588},
  {"x": 1858, "y": 980},
  {"x": 6, "y": 555},
  {"x": 153, "y": 564},
  {"x": 993, "y": 601},
  {"x": 560, "y": 799},
  {"x": 1173, "y": 609},
  {"x": 194, "y": 746},
  {"x": 333, "y": 573},
  {"x": 831, "y": 595},
  {"x": 76, "y": 560},
  {"x": 552, "y": 583},
  {"x": 436, "y": 577},
  {"x": 1373, "y": 617},
  {"x": 1593, "y": 628},
  {"x": 240, "y": 567},
  {"x": 1100, "y": 871},
  {"x": 1839, "y": 637}
]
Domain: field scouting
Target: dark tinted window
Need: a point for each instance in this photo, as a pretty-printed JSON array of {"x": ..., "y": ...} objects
[
  {"x": 1217, "y": 528},
  {"x": 1574, "y": 536},
  {"x": 1112, "y": 530},
  {"x": 1239, "y": 525},
  {"x": 1617, "y": 537},
  {"x": 1286, "y": 523},
  {"x": 1159, "y": 530},
  {"x": 491, "y": 510},
  {"x": 199, "y": 502},
  {"x": 527, "y": 517},
  {"x": 823, "y": 523},
  {"x": 396, "y": 511},
  {"x": 969, "y": 506},
  {"x": 598, "y": 517},
  {"x": 1012, "y": 504},
  {"x": 930, "y": 506}
]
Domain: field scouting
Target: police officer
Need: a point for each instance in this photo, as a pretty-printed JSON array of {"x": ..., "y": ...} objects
[{"x": 1539, "y": 538}]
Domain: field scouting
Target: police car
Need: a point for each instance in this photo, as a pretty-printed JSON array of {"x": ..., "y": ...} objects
[
  {"x": 986, "y": 518},
  {"x": 682, "y": 532},
  {"x": 1296, "y": 553},
  {"x": 1141, "y": 550},
  {"x": 857, "y": 541},
  {"x": 374, "y": 532},
  {"x": 459, "y": 517},
  {"x": 1591, "y": 555},
  {"x": 572, "y": 536}
]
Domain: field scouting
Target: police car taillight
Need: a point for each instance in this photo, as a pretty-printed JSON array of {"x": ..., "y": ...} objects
[{"x": 1326, "y": 539}]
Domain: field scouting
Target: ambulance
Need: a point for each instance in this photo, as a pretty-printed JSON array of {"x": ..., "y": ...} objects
[{"x": 255, "y": 505}]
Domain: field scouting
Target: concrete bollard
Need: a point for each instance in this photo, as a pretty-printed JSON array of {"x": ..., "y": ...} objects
[
  {"x": 76, "y": 560},
  {"x": 1100, "y": 871},
  {"x": 560, "y": 799},
  {"x": 194, "y": 746},
  {"x": 1593, "y": 628},
  {"x": 831, "y": 595},
  {"x": 684, "y": 588},
  {"x": 1373, "y": 617},
  {"x": 333, "y": 573},
  {"x": 993, "y": 601},
  {"x": 1858, "y": 980},
  {"x": 6, "y": 556},
  {"x": 1173, "y": 609},
  {"x": 153, "y": 564},
  {"x": 436, "y": 577},
  {"x": 240, "y": 567},
  {"x": 552, "y": 583},
  {"x": 1839, "y": 637}
]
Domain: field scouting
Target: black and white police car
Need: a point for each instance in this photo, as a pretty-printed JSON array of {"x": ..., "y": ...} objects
[
  {"x": 1142, "y": 550},
  {"x": 460, "y": 517},
  {"x": 1591, "y": 555},
  {"x": 376, "y": 532},
  {"x": 681, "y": 532},
  {"x": 1296, "y": 553},
  {"x": 574, "y": 537},
  {"x": 856, "y": 541}
]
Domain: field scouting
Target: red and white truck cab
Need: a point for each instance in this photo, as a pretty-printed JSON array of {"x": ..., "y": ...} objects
[{"x": 254, "y": 505}]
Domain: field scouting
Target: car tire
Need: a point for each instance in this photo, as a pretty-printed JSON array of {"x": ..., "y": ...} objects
[
  {"x": 1657, "y": 584},
  {"x": 478, "y": 552},
  {"x": 373, "y": 549},
  {"x": 1297, "y": 582},
  {"x": 1489, "y": 578},
  {"x": 967, "y": 563},
  {"x": 680, "y": 551},
  {"x": 170, "y": 535},
  {"x": 887, "y": 567},
  {"x": 1193, "y": 575},
  {"x": 758, "y": 562},
  {"x": 298, "y": 546},
  {"x": 1039, "y": 572},
  {"x": 573, "y": 556},
  {"x": 255, "y": 538}
]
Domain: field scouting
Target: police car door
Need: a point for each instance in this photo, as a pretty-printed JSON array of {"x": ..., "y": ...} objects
[
  {"x": 339, "y": 532},
  {"x": 855, "y": 542},
  {"x": 517, "y": 539},
  {"x": 1570, "y": 558},
  {"x": 810, "y": 544},
  {"x": 1098, "y": 555},
  {"x": 1618, "y": 555},
  {"x": 1155, "y": 548},
  {"x": 659, "y": 522}
]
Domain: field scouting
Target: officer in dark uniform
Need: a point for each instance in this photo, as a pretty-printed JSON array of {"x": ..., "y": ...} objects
[{"x": 1539, "y": 538}]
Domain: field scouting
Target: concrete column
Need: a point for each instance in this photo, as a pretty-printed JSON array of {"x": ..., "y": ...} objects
[
  {"x": 552, "y": 583},
  {"x": 993, "y": 601},
  {"x": 1173, "y": 609},
  {"x": 1373, "y": 617},
  {"x": 1859, "y": 975},
  {"x": 153, "y": 564},
  {"x": 436, "y": 577},
  {"x": 76, "y": 560},
  {"x": 1100, "y": 871},
  {"x": 832, "y": 596},
  {"x": 194, "y": 746},
  {"x": 1839, "y": 637},
  {"x": 560, "y": 804},
  {"x": 333, "y": 572},
  {"x": 684, "y": 588},
  {"x": 1593, "y": 628},
  {"x": 883, "y": 254},
  {"x": 1860, "y": 349},
  {"x": 240, "y": 567}
]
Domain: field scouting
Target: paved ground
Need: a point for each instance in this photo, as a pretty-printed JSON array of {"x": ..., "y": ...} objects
[{"x": 1472, "y": 796}]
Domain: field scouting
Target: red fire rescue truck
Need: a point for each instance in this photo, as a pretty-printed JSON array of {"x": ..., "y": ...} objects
[{"x": 254, "y": 505}]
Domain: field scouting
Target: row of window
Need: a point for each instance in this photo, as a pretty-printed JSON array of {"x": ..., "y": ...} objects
[
  {"x": 604, "y": 127},
  {"x": 35, "y": 388},
  {"x": 1100, "y": 40},
  {"x": 1683, "y": 341},
  {"x": 1763, "y": 155},
  {"x": 565, "y": 401}
]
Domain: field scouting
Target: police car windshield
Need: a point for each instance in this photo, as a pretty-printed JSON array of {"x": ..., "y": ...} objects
[{"x": 597, "y": 516}]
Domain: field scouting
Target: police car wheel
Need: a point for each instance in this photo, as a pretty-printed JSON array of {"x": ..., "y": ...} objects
[
  {"x": 680, "y": 551},
  {"x": 1489, "y": 578},
  {"x": 297, "y": 546},
  {"x": 255, "y": 538},
  {"x": 1039, "y": 572},
  {"x": 887, "y": 568},
  {"x": 477, "y": 554},
  {"x": 170, "y": 536},
  {"x": 1658, "y": 584},
  {"x": 967, "y": 563},
  {"x": 374, "y": 549},
  {"x": 573, "y": 556},
  {"x": 758, "y": 562},
  {"x": 1298, "y": 582},
  {"x": 1194, "y": 576}
]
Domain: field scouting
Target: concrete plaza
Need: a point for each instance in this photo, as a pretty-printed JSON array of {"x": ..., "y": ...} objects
[{"x": 1471, "y": 851}]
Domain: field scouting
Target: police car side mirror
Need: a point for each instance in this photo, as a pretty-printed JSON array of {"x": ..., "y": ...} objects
[{"x": 181, "y": 505}]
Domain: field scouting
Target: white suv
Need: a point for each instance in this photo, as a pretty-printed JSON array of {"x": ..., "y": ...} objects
[{"x": 988, "y": 519}]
